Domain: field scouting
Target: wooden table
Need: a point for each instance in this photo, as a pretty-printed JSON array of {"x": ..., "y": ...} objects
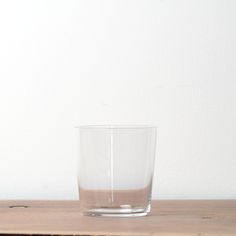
[{"x": 167, "y": 218}]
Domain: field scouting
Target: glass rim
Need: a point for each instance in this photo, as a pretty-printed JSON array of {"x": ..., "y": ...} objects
[{"x": 116, "y": 127}]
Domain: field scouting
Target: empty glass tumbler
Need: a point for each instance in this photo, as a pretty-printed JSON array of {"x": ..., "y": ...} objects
[{"x": 116, "y": 165}]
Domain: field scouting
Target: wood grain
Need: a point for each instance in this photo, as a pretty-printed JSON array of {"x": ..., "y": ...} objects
[{"x": 167, "y": 218}]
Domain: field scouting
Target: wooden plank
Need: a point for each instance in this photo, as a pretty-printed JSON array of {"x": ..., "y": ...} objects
[{"x": 167, "y": 218}]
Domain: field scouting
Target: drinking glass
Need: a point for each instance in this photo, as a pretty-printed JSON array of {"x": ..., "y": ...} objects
[{"x": 115, "y": 171}]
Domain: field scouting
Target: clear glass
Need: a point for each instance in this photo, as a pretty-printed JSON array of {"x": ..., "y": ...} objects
[{"x": 116, "y": 165}]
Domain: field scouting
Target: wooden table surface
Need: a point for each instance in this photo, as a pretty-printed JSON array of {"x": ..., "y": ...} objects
[{"x": 167, "y": 218}]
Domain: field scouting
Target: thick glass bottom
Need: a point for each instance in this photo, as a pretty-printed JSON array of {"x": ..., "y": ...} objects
[{"x": 122, "y": 211}]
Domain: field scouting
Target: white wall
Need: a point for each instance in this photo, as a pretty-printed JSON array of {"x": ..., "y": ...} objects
[{"x": 168, "y": 63}]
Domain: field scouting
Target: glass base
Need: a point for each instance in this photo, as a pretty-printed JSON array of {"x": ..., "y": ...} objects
[{"x": 118, "y": 212}]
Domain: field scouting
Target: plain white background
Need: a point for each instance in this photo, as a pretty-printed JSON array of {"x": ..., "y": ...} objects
[{"x": 162, "y": 62}]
